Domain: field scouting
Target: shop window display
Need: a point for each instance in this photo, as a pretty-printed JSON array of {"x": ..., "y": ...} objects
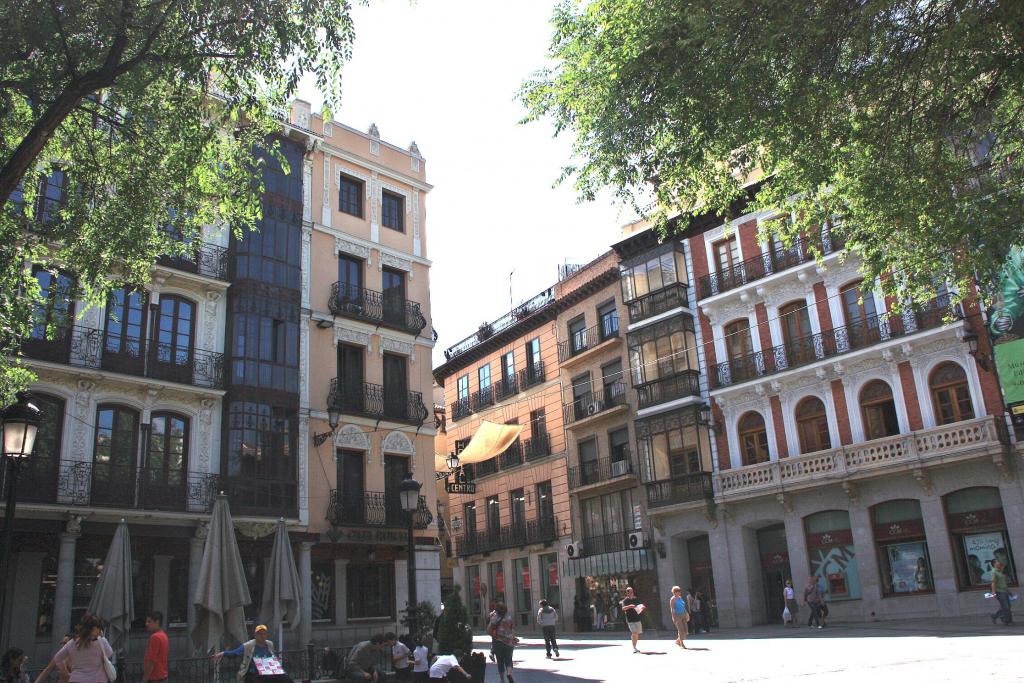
[
  {"x": 902, "y": 548},
  {"x": 977, "y": 526},
  {"x": 831, "y": 554}
]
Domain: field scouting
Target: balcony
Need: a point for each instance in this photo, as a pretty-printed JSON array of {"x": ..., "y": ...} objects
[
  {"x": 511, "y": 536},
  {"x": 763, "y": 265},
  {"x": 684, "y": 489},
  {"x": 376, "y": 308},
  {"x": 252, "y": 496},
  {"x": 531, "y": 375},
  {"x": 587, "y": 340},
  {"x": 587, "y": 406},
  {"x": 601, "y": 470},
  {"x": 659, "y": 301},
  {"x": 483, "y": 399},
  {"x": 608, "y": 543},
  {"x": 488, "y": 330},
  {"x": 669, "y": 388},
  {"x": 461, "y": 408},
  {"x": 85, "y": 347},
  {"x": 512, "y": 456},
  {"x": 374, "y": 509},
  {"x": 92, "y": 484},
  {"x": 537, "y": 446},
  {"x": 506, "y": 388},
  {"x": 868, "y": 332},
  {"x": 938, "y": 445},
  {"x": 210, "y": 260},
  {"x": 371, "y": 400}
]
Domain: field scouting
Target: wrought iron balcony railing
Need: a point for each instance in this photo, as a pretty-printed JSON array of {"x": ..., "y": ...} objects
[
  {"x": 763, "y": 265},
  {"x": 480, "y": 400},
  {"x": 210, "y": 260},
  {"x": 461, "y": 408},
  {"x": 488, "y": 330},
  {"x": 600, "y": 470},
  {"x": 537, "y": 446},
  {"x": 684, "y": 489},
  {"x": 584, "y": 340},
  {"x": 506, "y": 387},
  {"x": 90, "y": 348},
  {"x": 582, "y": 407},
  {"x": 375, "y": 307},
  {"x": 867, "y": 332},
  {"x": 659, "y": 301},
  {"x": 373, "y": 400},
  {"x": 96, "y": 484},
  {"x": 541, "y": 530},
  {"x": 374, "y": 509},
  {"x": 512, "y": 456},
  {"x": 531, "y": 375},
  {"x": 261, "y": 496},
  {"x": 606, "y": 543},
  {"x": 681, "y": 385}
]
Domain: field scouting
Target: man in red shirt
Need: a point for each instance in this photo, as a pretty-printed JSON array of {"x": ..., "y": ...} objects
[{"x": 154, "y": 664}]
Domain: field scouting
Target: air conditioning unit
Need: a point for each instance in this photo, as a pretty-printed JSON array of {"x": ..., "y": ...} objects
[
  {"x": 592, "y": 408},
  {"x": 574, "y": 550},
  {"x": 620, "y": 467},
  {"x": 637, "y": 539}
]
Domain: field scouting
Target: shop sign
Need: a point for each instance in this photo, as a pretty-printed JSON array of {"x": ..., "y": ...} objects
[
  {"x": 908, "y": 528},
  {"x": 967, "y": 521},
  {"x": 1010, "y": 363},
  {"x": 526, "y": 578},
  {"x": 460, "y": 487}
]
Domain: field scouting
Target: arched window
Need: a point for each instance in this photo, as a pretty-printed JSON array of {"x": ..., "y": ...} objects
[
  {"x": 878, "y": 410},
  {"x": 166, "y": 471},
  {"x": 113, "y": 461},
  {"x": 951, "y": 398},
  {"x": 812, "y": 425},
  {"x": 831, "y": 553},
  {"x": 860, "y": 315},
  {"x": 977, "y": 524},
  {"x": 753, "y": 438},
  {"x": 39, "y": 474},
  {"x": 738, "y": 343},
  {"x": 175, "y": 331},
  {"x": 125, "y": 331}
]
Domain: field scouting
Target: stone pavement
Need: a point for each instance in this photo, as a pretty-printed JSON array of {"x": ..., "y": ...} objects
[{"x": 919, "y": 651}]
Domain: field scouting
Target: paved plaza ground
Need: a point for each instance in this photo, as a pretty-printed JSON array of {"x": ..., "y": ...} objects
[{"x": 962, "y": 650}]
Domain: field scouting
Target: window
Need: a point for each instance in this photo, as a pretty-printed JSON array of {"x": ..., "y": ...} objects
[
  {"x": 165, "y": 477},
  {"x": 663, "y": 350},
  {"x": 473, "y": 593},
  {"x": 261, "y": 467},
  {"x": 796, "y": 333},
  {"x": 392, "y": 211},
  {"x": 517, "y": 503},
  {"x": 727, "y": 255},
  {"x": 350, "y": 196},
  {"x": 524, "y": 604},
  {"x": 370, "y": 590},
  {"x": 52, "y": 193},
  {"x": 124, "y": 331},
  {"x": 493, "y": 515},
  {"x": 394, "y": 297},
  {"x": 39, "y": 474},
  {"x": 55, "y": 309},
  {"x": 608, "y": 315},
  {"x": 350, "y": 397},
  {"x": 589, "y": 471},
  {"x": 812, "y": 425},
  {"x": 613, "y": 388},
  {"x": 508, "y": 367},
  {"x": 350, "y": 283},
  {"x": 496, "y": 577},
  {"x": 462, "y": 387},
  {"x": 266, "y": 347},
  {"x": 396, "y": 387},
  {"x": 483, "y": 374},
  {"x": 902, "y": 548},
  {"x": 175, "y": 328},
  {"x": 878, "y": 410},
  {"x": 858, "y": 305},
  {"x": 533, "y": 362},
  {"x": 578, "y": 335},
  {"x": 469, "y": 515},
  {"x": 977, "y": 526},
  {"x": 322, "y": 593},
  {"x": 547, "y": 579},
  {"x": 582, "y": 397},
  {"x": 618, "y": 446},
  {"x": 738, "y": 343},
  {"x": 831, "y": 554},
  {"x": 545, "y": 503},
  {"x": 951, "y": 398},
  {"x": 117, "y": 439},
  {"x": 672, "y": 443},
  {"x": 753, "y": 439},
  {"x": 648, "y": 274}
]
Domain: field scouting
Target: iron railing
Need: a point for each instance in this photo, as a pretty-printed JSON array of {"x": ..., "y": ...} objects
[
  {"x": 461, "y": 408},
  {"x": 539, "y": 530},
  {"x": 588, "y": 405},
  {"x": 537, "y": 446},
  {"x": 511, "y": 456},
  {"x": 372, "y": 400},
  {"x": 375, "y": 307},
  {"x": 480, "y": 400},
  {"x": 606, "y": 543},
  {"x": 209, "y": 260},
  {"x": 374, "y": 509},
  {"x": 682, "y": 489},
  {"x": 866, "y": 332},
  {"x": 105, "y": 485},
  {"x": 659, "y": 301},
  {"x": 765, "y": 264},
  {"x": 530, "y": 375},
  {"x": 91, "y": 348},
  {"x": 534, "y": 448},
  {"x": 488, "y": 330},
  {"x": 261, "y": 496},
  {"x": 602, "y": 469},
  {"x": 584, "y": 340},
  {"x": 681, "y": 385},
  {"x": 506, "y": 387}
]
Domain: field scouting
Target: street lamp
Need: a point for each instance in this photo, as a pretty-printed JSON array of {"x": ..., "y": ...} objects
[
  {"x": 21, "y": 424},
  {"x": 333, "y": 419},
  {"x": 452, "y": 461},
  {"x": 409, "y": 491}
]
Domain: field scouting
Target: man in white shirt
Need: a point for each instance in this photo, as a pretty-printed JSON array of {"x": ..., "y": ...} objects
[
  {"x": 442, "y": 665},
  {"x": 399, "y": 657},
  {"x": 421, "y": 663}
]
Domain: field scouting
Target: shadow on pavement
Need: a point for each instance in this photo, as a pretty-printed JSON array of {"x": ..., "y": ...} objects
[{"x": 971, "y": 627}]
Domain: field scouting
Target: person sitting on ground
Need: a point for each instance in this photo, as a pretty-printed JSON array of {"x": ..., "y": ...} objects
[
  {"x": 363, "y": 659},
  {"x": 260, "y": 647}
]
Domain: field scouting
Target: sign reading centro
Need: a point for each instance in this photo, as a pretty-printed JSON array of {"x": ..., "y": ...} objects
[{"x": 1010, "y": 363}]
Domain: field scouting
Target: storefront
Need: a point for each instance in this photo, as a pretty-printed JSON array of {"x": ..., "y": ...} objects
[
  {"x": 771, "y": 544},
  {"x": 601, "y": 582},
  {"x": 831, "y": 554},
  {"x": 902, "y": 549},
  {"x": 977, "y": 527}
]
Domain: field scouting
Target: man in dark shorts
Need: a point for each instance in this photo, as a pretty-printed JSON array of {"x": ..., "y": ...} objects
[{"x": 632, "y": 608}]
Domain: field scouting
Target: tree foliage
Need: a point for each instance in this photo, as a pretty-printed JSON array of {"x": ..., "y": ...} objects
[
  {"x": 454, "y": 634},
  {"x": 153, "y": 107},
  {"x": 900, "y": 120}
]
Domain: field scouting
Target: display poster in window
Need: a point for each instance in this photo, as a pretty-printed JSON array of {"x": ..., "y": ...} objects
[
  {"x": 1010, "y": 363},
  {"x": 638, "y": 517},
  {"x": 980, "y": 551},
  {"x": 832, "y": 558},
  {"x": 526, "y": 578},
  {"x": 553, "y": 574},
  {"x": 499, "y": 583},
  {"x": 908, "y": 567}
]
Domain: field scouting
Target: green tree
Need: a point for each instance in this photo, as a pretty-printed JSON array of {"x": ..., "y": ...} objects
[
  {"x": 153, "y": 109},
  {"x": 900, "y": 120},
  {"x": 454, "y": 634}
]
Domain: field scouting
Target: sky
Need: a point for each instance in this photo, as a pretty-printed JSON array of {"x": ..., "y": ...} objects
[{"x": 445, "y": 73}]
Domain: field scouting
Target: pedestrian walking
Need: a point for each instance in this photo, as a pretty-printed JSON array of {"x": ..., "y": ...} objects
[
  {"x": 547, "y": 619},
  {"x": 502, "y": 629},
  {"x": 400, "y": 654},
  {"x": 705, "y": 611},
  {"x": 812, "y": 598},
  {"x": 421, "y": 662},
  {"x": 260, "y": 647},
  {"x": 442, "y": 667},
  {"x": 680, "y": 617},
  {"x": 154, "y": 663},
  {"x": 633, "y": 609},
  {"x": 823, "y": 589},
  {"x": 1002, "y": 594},
  {"x": 792, "y": 609},
  {"x": 691, "y": 609},
  {"x": 86, "y": 657},
  {"x": 599, "y": 612},
  {"x": 14, "y": 666},
  {"x": 63, "y": 670}
]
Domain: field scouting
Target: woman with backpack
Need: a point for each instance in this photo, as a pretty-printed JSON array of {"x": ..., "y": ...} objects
[
  {"x": 502, "y": 630},
  {"x": 680, "y": 615}
]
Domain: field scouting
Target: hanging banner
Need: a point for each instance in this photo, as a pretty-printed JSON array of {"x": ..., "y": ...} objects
[
  {"x": 526, "y": 578},
  {"x": 1010, "y": 363},
  {"x": 553, "y": 574}
]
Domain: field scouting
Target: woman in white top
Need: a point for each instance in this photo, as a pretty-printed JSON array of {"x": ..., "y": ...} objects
[
  {"x": 86, "y": 653},
  {"x": 790, "y": 597}
]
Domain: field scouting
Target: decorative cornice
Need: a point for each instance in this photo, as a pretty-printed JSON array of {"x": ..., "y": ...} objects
[{"x": 349, "y": 247}]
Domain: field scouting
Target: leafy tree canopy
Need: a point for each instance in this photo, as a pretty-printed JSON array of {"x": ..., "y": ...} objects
[
  {"x": 900, "y": 119},
  {"x": 153, "y": 109}
]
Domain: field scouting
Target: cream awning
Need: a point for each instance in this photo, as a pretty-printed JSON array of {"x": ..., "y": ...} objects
[{"x": 490, "y": 440}]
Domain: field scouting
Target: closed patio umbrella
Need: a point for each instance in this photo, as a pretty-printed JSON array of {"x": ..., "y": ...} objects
[
  {"x": 112, "y": 598},
  {"x": 282, "y": 592},
  {"x": 221, "y": 591}
]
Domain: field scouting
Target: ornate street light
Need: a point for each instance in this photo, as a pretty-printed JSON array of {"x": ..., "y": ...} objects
[
  {"x": 409, "y": 491},
  {"x": 333, "y": 419},
  {"x": 452, "y": 461}
]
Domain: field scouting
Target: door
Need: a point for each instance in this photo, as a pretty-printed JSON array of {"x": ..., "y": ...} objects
[
  {"x": 350, "y": 286},
  {"x": 517, "y": 499},
  {"x": 350, "y": 397},
  {"x": 394, "y": 297},
  {"x": 771, "y": 543},
  {"x": 164, "y": 479},
  {"x": 124, "y": 331},
  {"x": 352, "y": 507},
  {"x": 796, "y": 333},
  {"x": 173, "y": 353},
  {"x": 860, "y": 315},
  {"x": 395, "y": 469},
  {"x": 114, "y": 453},
  {"x": 396, "y": 387}
]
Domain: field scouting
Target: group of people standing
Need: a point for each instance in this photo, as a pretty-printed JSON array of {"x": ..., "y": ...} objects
[{"x": 814, "y": 599}]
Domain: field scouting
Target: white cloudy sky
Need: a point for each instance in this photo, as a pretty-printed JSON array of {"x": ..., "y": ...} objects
[{"x": 445, "y": 73}]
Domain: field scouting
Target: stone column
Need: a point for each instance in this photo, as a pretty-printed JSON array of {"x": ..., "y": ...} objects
[
  {"x": 867, "y": 560},
  {"x": 341, "y": 593},
  {"x": 941, "y": 555},
  {"x": 65, "y": 580},
  {"x": 306, "y": 607},
  {"x": 161, "y": 584},
  {"x": 195, "y": 557}
]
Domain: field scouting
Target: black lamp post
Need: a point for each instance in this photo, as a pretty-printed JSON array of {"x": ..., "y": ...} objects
[
  {"x": 452, "y": 461},
  {"x": 409, "y": 490},
  {"x": 333, "y": 419},
  {"x": 21, "y": 423}
]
